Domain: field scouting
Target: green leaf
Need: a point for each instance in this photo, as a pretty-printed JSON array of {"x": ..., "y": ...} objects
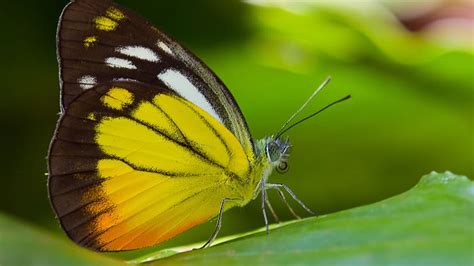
[
  {"x": 23, "y": 244},
  {"x": 431, "y": 224}
]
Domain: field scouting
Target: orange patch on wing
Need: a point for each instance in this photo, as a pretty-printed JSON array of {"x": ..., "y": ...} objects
[
  {"x": 141, "y": 237},
  {"x": 183, "y": 228},
  {"x": 105, "y": 221},
  {"x": 160, "y": 226}
]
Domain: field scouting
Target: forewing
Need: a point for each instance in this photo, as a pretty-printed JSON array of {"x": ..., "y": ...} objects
[
  {"x": 99, "y": 41},
  {"x": 132, "y": 165}
]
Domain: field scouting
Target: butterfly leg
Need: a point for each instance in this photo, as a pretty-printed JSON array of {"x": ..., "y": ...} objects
[
  {"x": 283, "y": 198},
  {"x": 275, "y": 216},
  {"x": 292, "y": 195},
  {"x": 264, "y": 196},
  {"x": 218, "y": 224}
]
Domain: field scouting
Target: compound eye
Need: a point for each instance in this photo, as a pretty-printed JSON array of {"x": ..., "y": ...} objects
[{"x": 282, "y": 167}]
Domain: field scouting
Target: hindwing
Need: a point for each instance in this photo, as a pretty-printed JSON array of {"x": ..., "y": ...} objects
[{"x": 131, "y": 165}]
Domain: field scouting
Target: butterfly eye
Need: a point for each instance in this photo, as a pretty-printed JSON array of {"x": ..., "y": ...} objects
[{"x": 282, "y": 167}]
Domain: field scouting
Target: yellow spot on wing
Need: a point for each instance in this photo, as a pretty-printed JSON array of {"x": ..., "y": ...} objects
[
  {"x": 105, "y": 23},
  {"x": 117, "y": 98},
  {"x": 114, "y": 13},
  {"x": 89, "y": 41},
  {"x": 91, "y": 116}
]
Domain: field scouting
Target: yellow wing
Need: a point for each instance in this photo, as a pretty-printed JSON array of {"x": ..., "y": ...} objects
[{"x": 132, "y": 166}]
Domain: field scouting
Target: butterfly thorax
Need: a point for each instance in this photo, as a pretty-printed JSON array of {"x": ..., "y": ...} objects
[{"x": 270, "y": 153}]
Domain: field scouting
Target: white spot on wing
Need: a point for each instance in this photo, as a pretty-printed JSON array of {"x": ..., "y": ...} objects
[
  {"x": 86, "y": 82},
  {"x": 181, "y": 85},
  {"x": 124, "y": 79},
  {"x": 119, "y": 63},
  {"x": 165, "y": 47},
  {"x": 139, "y": 52}
]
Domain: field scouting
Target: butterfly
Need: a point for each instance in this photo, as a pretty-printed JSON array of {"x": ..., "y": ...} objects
[{"x": 150, "y": 142}]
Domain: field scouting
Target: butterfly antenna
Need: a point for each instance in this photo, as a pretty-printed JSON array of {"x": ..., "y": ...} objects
[
  {"x": 282, "y": 129},
  {"x": 313, "y": 114}
]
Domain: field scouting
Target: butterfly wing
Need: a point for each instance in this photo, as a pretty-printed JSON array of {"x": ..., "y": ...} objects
[
  {"x": 131, "y": 165},
  {"x": 99, "y": 41}
]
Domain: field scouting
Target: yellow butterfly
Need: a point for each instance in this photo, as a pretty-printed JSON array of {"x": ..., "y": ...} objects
[{"x": 150, "y": 142}]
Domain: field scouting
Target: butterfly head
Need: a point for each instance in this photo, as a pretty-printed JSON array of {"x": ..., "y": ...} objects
[{"x": 276, "y": 151}]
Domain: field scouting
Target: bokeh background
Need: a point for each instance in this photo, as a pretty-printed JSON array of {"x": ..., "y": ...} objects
[{"x": 409, "y": 66}]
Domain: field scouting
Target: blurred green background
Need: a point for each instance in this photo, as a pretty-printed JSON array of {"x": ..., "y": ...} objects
[{"x": 409, "y": 66}]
